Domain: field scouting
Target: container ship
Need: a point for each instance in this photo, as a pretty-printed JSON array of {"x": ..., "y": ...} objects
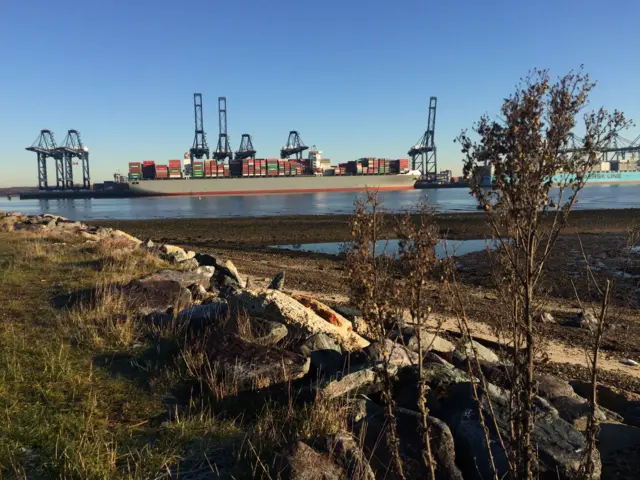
[
  {"x": 266, "y": 176},
  {"x": 605, "y": 173}
]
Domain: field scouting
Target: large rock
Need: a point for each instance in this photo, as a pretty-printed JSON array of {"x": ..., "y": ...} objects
[
  {"x": 278, "y": 282},
  {"x": 347, "y": 454},
  {"x": 268, "y": 332},
  {"x": 200, "y": 316},
  {"x": 304, "y": 463},
  {"x": 552, "y": 387},
  {"x": 559, "y": 445},
  {"x": 576, "y": 411},
  {"x": 201, "y": 276},
  {"x": 396, "y": 354},
  {"x": 429, "y": 341},
  {"x": 204, "y": 259},
  {"x": 126, "y": 236},
  {"x": 324, "y": 352},
  {"x": 173, "y": 253},
  {"x": 624, "y": 403},
  {"x": 277, "y": 306},
  {"x": 249, "y": 365},
  {"x": 465, "y": 351},
  {"x": 324, "y": 311},
  {"x": 411, "y": 445},
  {"x": 150, "y": 295},
  {"x": 228, "y": 269}
]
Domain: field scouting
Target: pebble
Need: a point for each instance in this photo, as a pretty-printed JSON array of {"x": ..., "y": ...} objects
[{"x": 629, "y": 362}]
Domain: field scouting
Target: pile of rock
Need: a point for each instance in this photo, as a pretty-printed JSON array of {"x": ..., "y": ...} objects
[{"x": 264, "y": 336}]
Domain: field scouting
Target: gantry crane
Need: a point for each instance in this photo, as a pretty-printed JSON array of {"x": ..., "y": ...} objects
[
  {"x": 246, "y": 149},
  {"x": 423, "y": 154},
  {"x": 45, "y": 147},
  {"x": 223, "y": 150},
  {"x": 200, "y": 148},
  {"x": 294, "y": 146},
  {"x": 71, "y": 148}
]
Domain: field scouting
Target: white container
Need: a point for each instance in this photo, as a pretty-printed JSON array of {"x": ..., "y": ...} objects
[{"x": 605, "y": 167}]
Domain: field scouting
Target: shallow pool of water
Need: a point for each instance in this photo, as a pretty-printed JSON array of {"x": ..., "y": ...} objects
[{"x": 454, "y": 248}]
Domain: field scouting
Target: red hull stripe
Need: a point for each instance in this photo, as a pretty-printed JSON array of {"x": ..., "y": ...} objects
[{"x": 264, "y": 192}]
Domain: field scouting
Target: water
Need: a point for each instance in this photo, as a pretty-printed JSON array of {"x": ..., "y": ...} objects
[
  {"x": 452, "y": 247},
  {"x": 445, "y": 201}
]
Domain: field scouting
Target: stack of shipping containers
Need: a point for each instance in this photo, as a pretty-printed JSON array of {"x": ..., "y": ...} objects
[
  {"x": 197, "y": 169},
  {"x": 135, "y": 171},
  {"x": 148, "y": 169},
  {"x": 210, "y": 169},
  {"x": 175, "y": 168},
  {"x": 162, "y": 171},
  {"x": 272, "y": 167}
]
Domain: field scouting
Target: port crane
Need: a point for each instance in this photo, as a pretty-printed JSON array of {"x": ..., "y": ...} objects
[
  {"x": 200, "y": 148},
  {"x": 294, "y": 146},
  {"x": 616, "y": 150},
  {"x": 223, "y": 150},
  {"x": 246, "y": 149},
  {"x": 423, "y": 154},
  {"x": 71, "y": 148},
  {"x": 45, "y": 147}
]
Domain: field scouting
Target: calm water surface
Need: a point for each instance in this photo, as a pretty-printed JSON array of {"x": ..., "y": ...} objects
[{"x": 445, "y": 200}]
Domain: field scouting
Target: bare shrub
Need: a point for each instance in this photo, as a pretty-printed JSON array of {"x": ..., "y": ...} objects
[{"x": 526, "y": 148}]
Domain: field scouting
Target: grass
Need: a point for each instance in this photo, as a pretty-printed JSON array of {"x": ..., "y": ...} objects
[{"x": 90, "y": 392}]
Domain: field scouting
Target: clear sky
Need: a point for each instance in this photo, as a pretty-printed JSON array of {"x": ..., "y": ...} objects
[{"x": 353, "y": 76}]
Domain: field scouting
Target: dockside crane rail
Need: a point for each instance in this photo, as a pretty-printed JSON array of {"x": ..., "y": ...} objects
[
  {"x": 246, "y": 149},
  {"x": 223, "y": 150},
  {"x": 294, "y": 146},
  {"x": 71, "y": 148},
  {"x": 45, "y": 147},
  {"x": 200, "y": 148},
  {"x": 423, "y": 154}
]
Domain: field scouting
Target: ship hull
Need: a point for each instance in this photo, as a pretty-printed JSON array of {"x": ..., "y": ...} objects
[
  {"x": 595, "y": 178},
  {"x": 270, "y": 185}
]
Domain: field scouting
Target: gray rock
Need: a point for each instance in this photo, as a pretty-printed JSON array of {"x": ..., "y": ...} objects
[
  {"x": 585, "y": 320},
  {"x": 304, "y": 463},
  {"x": 362, "y": 408},
  {"x": 173, "y": 253},
  {"x": 325, "y": 353},
  {"x": 205, "y": 259},
  {"x": 347, "y": 454},
  {"x": 201, "y": 276},
  {"x": 629, "y": 362},
  {"x": 552, "y": 387},
  {"x": 576, "y": 411},
  {"x": 188, "y": 264},
  {"x": 411, "y": 445},
  {"x": 148, "y": 245},
  {"x": 268, "y": 332},
  {"x": 51, "y": 224},
  {"x": 348, "y": 312},
  {"x": 464, "y": 351},
  {"x": 150, "y": 295},
  {"x": 228, "y": 269},
  {"x": 252, "y": 366},
  {"x": 278, "y": 282},
  {"x": 559, "y": 444},
  {"x": 362, "y": 379},
  {"x": 397, "y": 354},
  {"x": 198, "y": 292},
  {"x": 199, "y": 316},
  {"x": 408, "y": 336},
  {"x": 361, "y": 327}
]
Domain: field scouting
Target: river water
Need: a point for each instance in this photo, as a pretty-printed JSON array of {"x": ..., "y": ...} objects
[{"x": 445, "y": 200}]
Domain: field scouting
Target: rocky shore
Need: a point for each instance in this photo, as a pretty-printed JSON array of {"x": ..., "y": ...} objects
[{"x": 266, "y": 337}]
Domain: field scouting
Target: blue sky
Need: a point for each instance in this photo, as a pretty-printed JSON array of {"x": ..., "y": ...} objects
[{"x": 354, "y": 77}]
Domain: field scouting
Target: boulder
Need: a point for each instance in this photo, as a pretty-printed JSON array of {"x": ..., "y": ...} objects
[
  {"x": 552, "y": 387},
  {"x": 362, "y": 379},
  {"x": 268, "y": 332},
  {"x": 559, "y": 444},
  {"x": 397, "y": 355},
  {"x": 249, "y": 365},
  {"x": 622, "y": 402},
  {"x": 408, "y": 336},
  {"x": 228, "y": 269},
  {"x": 543, "y": 317},
  {"x": 347, "y": 454},
  {"x": 324, "y": 311},
  {"x": 584, "y": 320},
  {"x": 348, "y": 312},
  {"x": 188, "y": 264},
  {"x": 464, "y": 351},
  {"x": 576, "y": 411},
  {"x": 173, "y": 253},
  {"x": 199, "y": 316},
  {"x": 363, "y": 407},
  {"x": 205, "y": 260},
  {"x": 200, "y": 276},
  {"x": 324, "y": 352},
  {"x": 149, "y": 295},
  {"x": 149, "y": 245},
  {"x": 198, "y": 293},
  {"x": 277, "y": 306},
  {"x": 411, "y": 445},
  {"x": 278, "y": 282},
  {"x": 126, "y": 236},
  {"x": 304, "y": 463}
]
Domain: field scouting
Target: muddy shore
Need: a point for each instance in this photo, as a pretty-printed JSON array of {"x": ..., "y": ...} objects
[{"x": 281, "y": 230}]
